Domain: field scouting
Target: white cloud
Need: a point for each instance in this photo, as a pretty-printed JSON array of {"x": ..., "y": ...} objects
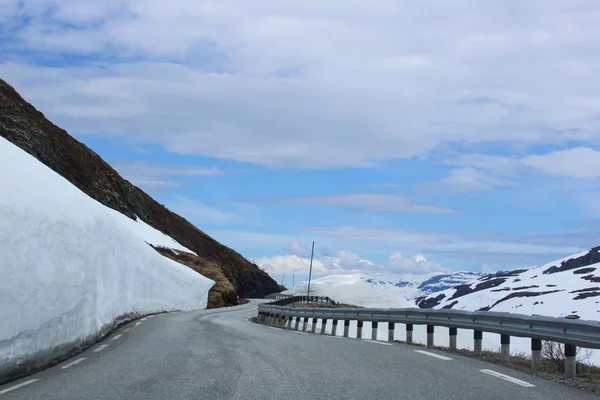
[
  {"x": 297, "y": 249},
  {"x": 157, "y": 176},
  {"x": 359, "y": 82},
  {"x": 200, "y": 214},
  {"x": 347, "y": 262},
  {"x": 579, "y": 162},
  {"x": 365, "y": 202},
  {"x": 469, "y": 179},
  {"x": 415, "y": 264}
]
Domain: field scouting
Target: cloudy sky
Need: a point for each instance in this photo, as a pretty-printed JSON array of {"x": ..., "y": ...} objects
[{"x": 400, "y": 136}]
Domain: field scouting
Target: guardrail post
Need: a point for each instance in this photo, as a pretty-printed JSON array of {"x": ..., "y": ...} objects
[
  {"x": 409, "y": 333},
  {"x": 268, "y": 320},
  {"x": 334, "y": 328},
  {"x": 288, "y": 322},
  {"x": 570, "y": 362},
  {"x": 323, "y": 325},
  {"x": 477, "y": 342},
  {"x": 305, "y": 326},
  {"x": 346, "y": 327},
  {"x": 453, "y": 334},
  {"x": 391, "y": 327},
  {"x": 374, "y": 326},
  {"x": 359, "y": 326},
  {"x": 536, "y": 354},
  {"x": 430, "y": 329},
  {"x": 261, "y": 317},
  {"x": 280, "y": 320},
  {"x": 505, "y": 348},
  {"x": 314, "y": 325},
  {"x": 297, "y": 326}
]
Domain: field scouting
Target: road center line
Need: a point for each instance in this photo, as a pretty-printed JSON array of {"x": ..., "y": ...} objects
[
  {"x": 20, "y": 385},
  {"x": 116, "y": 337},
  {"x": 100, "y": 348},
  {"x": 376, "y": 342},
  {"x": 73, "y": 363},
  {"x": 427, "y": 353},
  {"x": 507, "y": 378}
]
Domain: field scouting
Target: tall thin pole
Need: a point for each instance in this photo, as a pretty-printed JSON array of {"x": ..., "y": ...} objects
[{"x": 312, "y": 253}]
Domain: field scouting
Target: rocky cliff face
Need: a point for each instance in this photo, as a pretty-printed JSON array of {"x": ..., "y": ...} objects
[{"x": 26, "y": 127}]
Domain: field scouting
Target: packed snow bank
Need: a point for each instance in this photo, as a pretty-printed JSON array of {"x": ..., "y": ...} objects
[
  {"x": 352, "y": 289},
  {"x": 70, "y": 268},
  {"x": 150, "y": 235}
]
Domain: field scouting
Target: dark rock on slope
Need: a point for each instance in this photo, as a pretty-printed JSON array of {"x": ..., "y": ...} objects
[{"x": 26, "y": 127}]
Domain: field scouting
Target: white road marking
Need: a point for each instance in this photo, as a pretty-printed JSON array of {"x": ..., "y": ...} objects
[
  {"x": 376, "y": 342},
  {"x": 126, "y": 330},
  {"x": 20, "y": 385},
  {"x": 116, "y": 337},
  {"x": 100, "y": 348},
  {"x": 73, "y": 363},
  {"x": 151, "y": 316},
  {"x": 433, "y": 355},
  {"x": 137, "y": 323},
  {"x": 277, "y": 329},
  {"x": 507, "y": 378},
  {"x": 302, "y": 333},
  {"x": 333, "y": 337},
  {"x": 145, "y": 318}
]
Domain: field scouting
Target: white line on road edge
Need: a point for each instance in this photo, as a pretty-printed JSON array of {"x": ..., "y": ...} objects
[
  {"x": 145, "y": 318},
  {"x": 116, "y": 337},
  {"x": 376, "y": 342},
  {"x": 302, "y": 333},
  {"x": 507, "y": 378},
  {"x": 433, "y": 355},
  {"x": 73, "y": 363},
  {"x": 277, "y": 329},
  {"x": 20, "y": 385},
  {"x": 126, "y": 330},
  {"x": 100, "y": 348},
  {"x": 333, "y": 337},
  {"x": 137, "y": 323}
]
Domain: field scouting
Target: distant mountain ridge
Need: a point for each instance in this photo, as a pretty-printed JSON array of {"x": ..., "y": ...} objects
[
  {"x": 566, "y": 287},
  {"x": 27, "y": 128},
  {"x": 383, "y": 290}
]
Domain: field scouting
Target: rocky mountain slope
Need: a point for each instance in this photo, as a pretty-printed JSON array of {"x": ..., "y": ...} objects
[
  {"x": 26, "y": 127},
  {"x": 565, "y": 287}
]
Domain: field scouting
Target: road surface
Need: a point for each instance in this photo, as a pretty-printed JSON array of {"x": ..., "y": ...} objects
[{"x": 220, "y": 354}]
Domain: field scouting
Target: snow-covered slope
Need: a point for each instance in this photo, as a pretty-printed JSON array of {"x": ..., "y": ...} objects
[
  {"x": 71, "y": 268},
  {"x": 381, "y": 290},
  {"x": 569, "y": 286}
]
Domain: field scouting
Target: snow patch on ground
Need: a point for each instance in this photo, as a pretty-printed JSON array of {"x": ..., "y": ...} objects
[
  {"x": 71, "y": 268},
  {"x": 150, "y": 235}
]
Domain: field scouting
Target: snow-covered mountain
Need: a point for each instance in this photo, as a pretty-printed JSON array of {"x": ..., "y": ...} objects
[
  {"x": 382, "y": 290},
  {"x": 72, "y": 268},
  {"x": 569, "y": 286}
]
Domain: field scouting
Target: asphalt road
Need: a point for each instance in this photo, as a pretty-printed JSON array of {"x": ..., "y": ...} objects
[{"x": 219, "y": 354}]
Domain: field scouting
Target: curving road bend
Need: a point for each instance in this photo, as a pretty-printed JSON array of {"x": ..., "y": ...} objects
[{"x": 220, "y": 354}]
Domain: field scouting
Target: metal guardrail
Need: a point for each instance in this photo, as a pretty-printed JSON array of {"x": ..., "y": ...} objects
[
  {"x": 572, "y": 332},
  {"x": 284, "y": 300}
]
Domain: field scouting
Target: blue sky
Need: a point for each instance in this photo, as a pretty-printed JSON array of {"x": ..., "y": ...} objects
[{"x": 402, "y": 137}]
